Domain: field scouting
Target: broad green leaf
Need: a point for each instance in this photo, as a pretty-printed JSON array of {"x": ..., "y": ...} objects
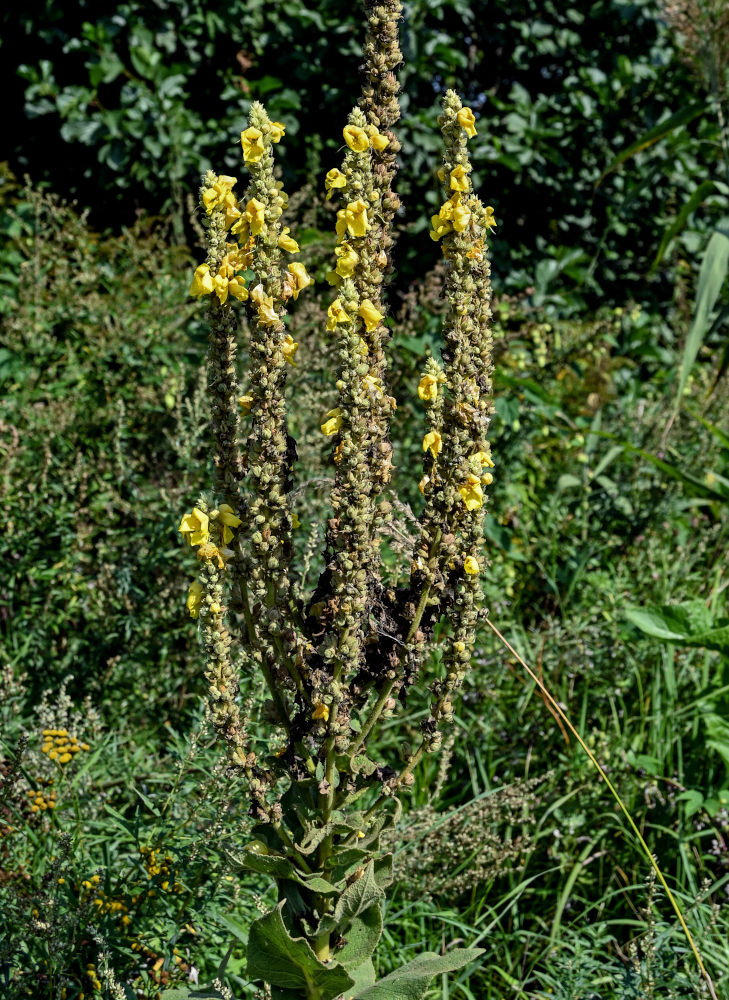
[
  {"x": 279, "y": 867},
  {"x": 358, "y": 897},
  {"x": 363, "y": 935},
  {"x": 275, "y": 957},
  {"x": 412, "y": 980},
  {"x": 711, "y": 278}
]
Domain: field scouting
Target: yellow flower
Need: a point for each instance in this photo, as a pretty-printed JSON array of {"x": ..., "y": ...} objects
[
  {"x": 278, "y": 130},
  {"x": 487, "y": 479},
  {"x": 229, "y": 520},
  {"x": 221, "y": 288},
  {"x": 289, "y": 348},
  {"x": 237, "y": 288},
  {"x": 255, "y": 215},
  {"x": 348, "y": 259},
  {"x": 286, "y": 242},
  {"x": 321, "y": 711},
  {"x": 232, "y": 210},
  {"x": 264, "y": 303},
  {"x": 217, "y": 195},
  {"x": 355, "y": 216},
  {"x": 371, "y": 316},
  {"x": 334, "y": 179},
  {"x": 432, "y": 442},
  {"x": 333, "y": 422},
  {"x": 202, "y": 282},
  {"x": 194, "y": 527},
  {"x": 428, "y": 388},
  {"x": 251, "y": 141},
  {"x": 490, "y": 221},
  {"x": 471, "y": 566},
  {"x": 356, "y": 138},
  {"x": 467, "y": 121},
  {"x": 301, "y": 279},
  {"x": 336, "y": 313},
  {"x": 440, "y": 227},
  {"x": 476, "y": 251},
  {"x": 379, "y": 141},
  {"x": 245, "y": 403},
  {"x": 471, "y": 493},
  {"x": 372, "y": 384},
  {"x": 456, "y": 213},
  {"x": 484, "y": 458},
  {"x": 459, "y": 178}
]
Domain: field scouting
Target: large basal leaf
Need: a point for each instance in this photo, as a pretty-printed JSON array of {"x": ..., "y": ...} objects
[
  {"x": 412, "y": 980},
  {"x": 363, "y": 935},
  {"x": 275, "y": 957},
  {"x": 686, "y": 624}
]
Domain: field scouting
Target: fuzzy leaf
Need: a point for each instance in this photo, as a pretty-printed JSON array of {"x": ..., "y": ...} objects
[
  {"x": 412, "y": 980},
  {"x": 290, "y": 963},
  {"x": 362, "y": 936}
]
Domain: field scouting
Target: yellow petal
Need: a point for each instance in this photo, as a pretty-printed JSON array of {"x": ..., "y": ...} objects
[{"x": 356, "y": 138}]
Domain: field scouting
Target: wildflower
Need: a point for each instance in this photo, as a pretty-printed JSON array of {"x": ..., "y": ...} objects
[
  {"x": 221, "y": 288},
  {"x": 353, "y": 219},
  {"x": 286, "y": 242},
  {"x": 459, "y": 178},
  {"x": 278, "y": 130},
  {"x": 356, "y": 138},
  {"x": 432, "y": 442},
  {"x": 333, "y": 423},
  {"x": 245, "y": 403},
  {"x": 301, "y": 279},
  {"x": 237, "y": 288},
  {"x": 348, "y": 259},
  {"x": 476, "y": 251},
  {"x": 490, "y": 221},
  {"x": 379, "y": 141},
  {"x": 470, "y": 565},
  {"x": 266, "y": 313},
  {"x": 467, "y": 121},
  {"x": 440, "y": 227},
  {"x": 334, "y": 179},
  {"x": 229, "y": 520},
  {"x": 202, "y": 282},
  {"x": 471, "y": 493},
  {"x": 255, "y": 215},
  {"x": 321, "y": 711},
  {"x": 194, "y": 527},
  {"x": 428, "y": 388},
  {"x": 251, "y": 141},
  {"x": 219, "y": 193},
  {"x": 456, "y": 213},
  {"x": 289, "y": 348},
  {"x": 371, "y": 316},
  {"x": 336, "y": 313},
  {"x": 484, "y": 458}
]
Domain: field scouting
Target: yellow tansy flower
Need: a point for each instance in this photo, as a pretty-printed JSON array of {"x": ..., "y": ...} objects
[
  {"x": 333, "y": 423},
  {"x": 289, "y": 348},
  {"x": 321, "y": 711},
  {"x": 459, "y": 178},
  {"x": 356, "y": 138},
  {"x": 471, "y": 566},
  {"x": 428, "y": 388},
  {"x": 370, "y": 314},
  {"x": 255, "y": 214},
  {"x": 471, "y": 493},
  {"x": 286, "y": 242},
  {"x": 301, "y": 280},
  {"x": 432, "y": 442},
  {"x": 334, "y": 179},
  {"x": 194, "y": 527},
  {"x": 336, "y": 313},
  {"x": 202, "y": 282},
  {"x": 252, "y": 142},
  {"x": 467, "y": 121}
]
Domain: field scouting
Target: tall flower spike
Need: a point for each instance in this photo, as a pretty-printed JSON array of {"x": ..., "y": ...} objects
[{"x": 271, "y": 450}]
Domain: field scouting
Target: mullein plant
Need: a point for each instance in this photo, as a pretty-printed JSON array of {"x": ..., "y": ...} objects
[{"x": 339, "y": 663}]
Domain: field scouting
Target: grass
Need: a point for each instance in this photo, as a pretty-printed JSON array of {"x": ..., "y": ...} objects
[{"x": 102, "y": 433}]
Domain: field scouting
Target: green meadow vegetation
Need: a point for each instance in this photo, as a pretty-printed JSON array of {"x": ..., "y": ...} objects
[{"x": 150, "y": 831}]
